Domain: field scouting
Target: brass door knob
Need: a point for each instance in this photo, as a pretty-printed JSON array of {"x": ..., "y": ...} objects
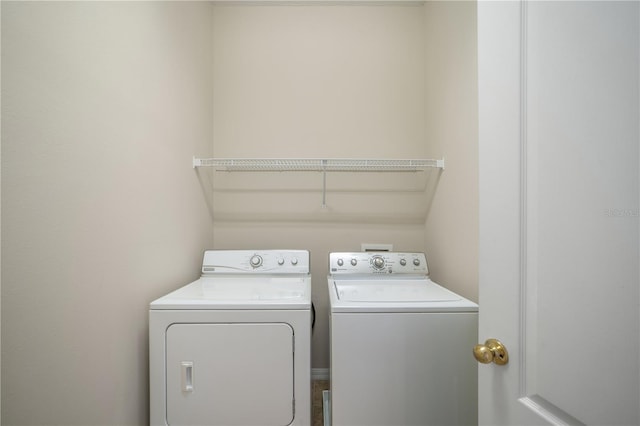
[{"x": 492, "y": 350}]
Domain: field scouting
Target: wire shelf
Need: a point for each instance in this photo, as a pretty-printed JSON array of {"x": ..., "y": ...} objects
[{"x": 317, "y": 165}]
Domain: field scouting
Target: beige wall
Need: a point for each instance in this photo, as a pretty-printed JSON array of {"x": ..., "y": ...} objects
[
  {"x": 319, "y": 80},
  {"x": 103, "y": 106},
  {"x": 452, "y": 131}
]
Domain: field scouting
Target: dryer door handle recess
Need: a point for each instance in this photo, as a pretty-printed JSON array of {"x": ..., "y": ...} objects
[{"x": 187, "y": 376}]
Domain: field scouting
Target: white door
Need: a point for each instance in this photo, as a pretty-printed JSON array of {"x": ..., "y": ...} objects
[
  {"x": 229, "y": 374},
  {"x": 559, "y": 211}
]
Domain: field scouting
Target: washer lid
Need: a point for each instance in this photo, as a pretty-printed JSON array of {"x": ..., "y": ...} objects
[
  {"x": 240, "y": 292},
  {"x": 393, "y": 291},
  {"x": 394, "y": 295}
]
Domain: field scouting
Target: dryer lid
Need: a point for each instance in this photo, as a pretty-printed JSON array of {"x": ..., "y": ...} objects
[
  {"x": 240, "y": 292},
  {"x": 266, "y": 288}
]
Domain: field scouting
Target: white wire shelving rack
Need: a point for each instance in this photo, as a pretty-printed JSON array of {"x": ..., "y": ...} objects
[{"x": 318, "y": 165}]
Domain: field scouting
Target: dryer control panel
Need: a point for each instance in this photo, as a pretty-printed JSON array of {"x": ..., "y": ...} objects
[
  {"x": 378, "y": 262},
  {"x": 255, "y": 262}
]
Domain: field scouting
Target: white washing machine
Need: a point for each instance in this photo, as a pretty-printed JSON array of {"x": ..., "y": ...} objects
[
  {"x": 234, "y": 347},
  {"x": 401, "y": 345}
]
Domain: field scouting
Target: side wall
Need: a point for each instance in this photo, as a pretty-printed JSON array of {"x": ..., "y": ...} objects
[
  {"x": 452, "y": 131},
  {"x": 103, "y": 106}
]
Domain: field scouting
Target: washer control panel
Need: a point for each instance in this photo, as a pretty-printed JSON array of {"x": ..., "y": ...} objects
[
  {"x": 255, "y": 262},
  {"x": 382, "y": 262}
]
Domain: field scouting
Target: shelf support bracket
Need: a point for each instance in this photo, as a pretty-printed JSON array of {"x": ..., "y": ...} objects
[{"x": 324, "y": 184}]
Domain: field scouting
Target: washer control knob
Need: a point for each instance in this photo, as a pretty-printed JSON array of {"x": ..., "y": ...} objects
[
  {"x": 294, "y": 261},
  {"x": 378, "y": 262},
  {"x": 340, "y": 262},
  {"x": 354, "y": 262},
  {"x": 403, "y": 262},
  {"x": 256, "y": 260},
  {"x": 280, "y": 261},
  {"x": 416, "y": 262}
]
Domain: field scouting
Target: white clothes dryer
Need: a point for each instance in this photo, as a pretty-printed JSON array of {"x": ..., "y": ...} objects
[
  {"x": 234, "y": 347},
  {"x": 401, "y": 345}
]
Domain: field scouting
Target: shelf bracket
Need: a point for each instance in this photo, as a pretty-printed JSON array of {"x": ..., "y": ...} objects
[{"x": 324, "y": 185}]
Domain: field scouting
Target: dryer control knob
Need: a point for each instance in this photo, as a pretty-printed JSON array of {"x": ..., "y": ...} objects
[
  {"x": 403, "y": 262},
  {"x": 256, "y": 260},
  {"x": 340, "y": 262},
  {"x": 416, "y": 262},
  {"x": 280, "y": 261},
  {"x": 294, "y": 261},
  {"x": 354, "y": 262}
]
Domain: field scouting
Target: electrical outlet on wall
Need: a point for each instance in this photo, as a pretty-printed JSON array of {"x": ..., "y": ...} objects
[{"x": 376, "y": 247}]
